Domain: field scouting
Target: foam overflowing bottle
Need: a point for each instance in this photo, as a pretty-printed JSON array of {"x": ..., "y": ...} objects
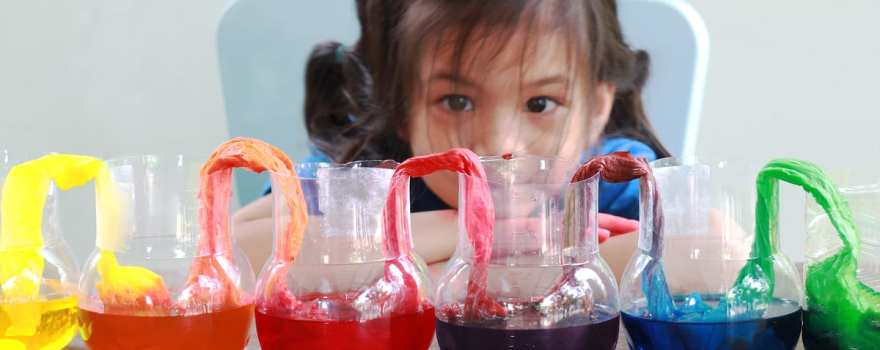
[
  {"x": 842, "y": 273},
  {"x": 37, "y": 273}
]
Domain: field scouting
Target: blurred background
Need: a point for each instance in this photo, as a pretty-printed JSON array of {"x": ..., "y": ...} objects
[{"x": 118, "y": 77}]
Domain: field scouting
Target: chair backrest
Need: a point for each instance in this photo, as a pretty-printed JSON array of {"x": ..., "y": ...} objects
[
  {"x": 263, "y": 46},
  {"x": 675, "y": 36}
]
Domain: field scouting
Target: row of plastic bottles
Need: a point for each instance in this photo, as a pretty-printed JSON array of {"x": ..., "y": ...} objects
[{"x": 526, "y": 274}]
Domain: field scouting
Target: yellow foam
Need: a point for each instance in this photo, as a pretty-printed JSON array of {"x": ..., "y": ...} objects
[
  {"x": 129, "y": 285},
  {"x": 21, "y": 237}
]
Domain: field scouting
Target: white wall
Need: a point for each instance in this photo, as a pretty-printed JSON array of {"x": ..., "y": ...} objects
[
  {"x": 792, "y": 78},
  {"x": 108, "y": 78},
  {"x": 786, "y": 78}
]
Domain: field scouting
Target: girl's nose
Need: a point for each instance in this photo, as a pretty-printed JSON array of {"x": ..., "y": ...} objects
[{"x": 501, "y": 133}]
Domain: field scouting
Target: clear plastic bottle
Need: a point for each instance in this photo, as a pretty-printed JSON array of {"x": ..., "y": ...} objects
[
  {"x": 543, "y": 284},
  {"x": 38, "y": 274},
  {"x": 140, "y": 287},
  {"x": 842, "y": 274},
  {"x": 346, "y": 287},
  {"x": 687, "y": 286}
]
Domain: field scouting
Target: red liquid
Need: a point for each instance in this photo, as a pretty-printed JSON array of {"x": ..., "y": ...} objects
[
  {"x": 217, "y": 330},
  {"x": 404, "y": 332}
]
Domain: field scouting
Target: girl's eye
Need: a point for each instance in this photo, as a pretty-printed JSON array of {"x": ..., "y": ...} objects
[
  {"x": 542, "y": 104},
  {"x": 458, "y": 103}
]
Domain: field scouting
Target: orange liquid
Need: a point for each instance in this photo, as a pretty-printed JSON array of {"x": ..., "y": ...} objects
[{"x": 228, "y": 329}]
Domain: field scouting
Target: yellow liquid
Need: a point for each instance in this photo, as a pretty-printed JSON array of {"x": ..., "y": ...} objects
[{"x": 58, "y": 324}]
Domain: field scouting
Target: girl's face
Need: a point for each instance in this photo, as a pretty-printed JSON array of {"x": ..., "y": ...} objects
[{"x": 525, "y": 97}]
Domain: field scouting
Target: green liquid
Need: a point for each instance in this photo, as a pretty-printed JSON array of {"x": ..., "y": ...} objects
[{"x": 843, "y": 312}]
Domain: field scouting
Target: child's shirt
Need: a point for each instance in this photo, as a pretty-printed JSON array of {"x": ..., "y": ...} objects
[{"x": 620, "y": 199}]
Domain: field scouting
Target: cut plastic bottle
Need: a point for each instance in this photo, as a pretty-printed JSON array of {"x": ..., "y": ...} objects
[
  {"x": 707, "y": 275},
  {"x": 842, "y": 273},
  {"x": 167, "y": 263},
  {"x": 527, "y": 273},
  {"x": 354, "y": 283},
  {"x": 37, "y": 274}
]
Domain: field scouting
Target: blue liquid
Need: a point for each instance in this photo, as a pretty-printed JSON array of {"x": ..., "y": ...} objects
[{"x": 781, "y": 329}]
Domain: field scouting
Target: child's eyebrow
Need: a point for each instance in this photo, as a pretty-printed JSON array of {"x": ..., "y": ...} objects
[
  {"x": 549, "y": 80},
  {"x": 458, "y": 80},
  {"x": 452, "y": 78}
]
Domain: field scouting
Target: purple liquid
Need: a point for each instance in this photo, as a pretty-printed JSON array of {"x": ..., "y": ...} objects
[{"x": 598, "y": 336}]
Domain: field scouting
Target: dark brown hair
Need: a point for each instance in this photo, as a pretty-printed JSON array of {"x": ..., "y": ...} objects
[{"x": 358, "y": 99}]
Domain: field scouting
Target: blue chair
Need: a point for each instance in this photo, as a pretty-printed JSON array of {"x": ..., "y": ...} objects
[
  {"x": 263, "y": 46},
  {"x": 675, "y": 36}
]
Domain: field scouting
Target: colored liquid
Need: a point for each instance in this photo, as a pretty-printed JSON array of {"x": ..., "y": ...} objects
[
  {"x": 779, "y": 331},
  {"x": 599, "y": 335},
  {"x": 228, "y": 329},
  {"x": 57, "y": 326},
  {"x": 410, "y": 332},
  {"x": 844, "y": 313},
  {"x": 822, "y": 331}
]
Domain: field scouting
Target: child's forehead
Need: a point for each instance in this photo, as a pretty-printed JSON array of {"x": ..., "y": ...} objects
[{"x": 486, "y": 53}]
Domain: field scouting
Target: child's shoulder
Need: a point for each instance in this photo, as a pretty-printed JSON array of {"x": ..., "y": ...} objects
[
  {"x": 316, "y": 156},
  {"x": 626, "y": 144},
  {"x": 622, "y": 199}
]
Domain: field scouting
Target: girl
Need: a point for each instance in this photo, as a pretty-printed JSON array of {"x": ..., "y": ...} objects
[{"x": 549, "y": 78}]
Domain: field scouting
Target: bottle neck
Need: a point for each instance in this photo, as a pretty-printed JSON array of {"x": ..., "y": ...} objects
[
  {"x": 537, "y": 223},
  {"x": 346, "y": 215}
]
